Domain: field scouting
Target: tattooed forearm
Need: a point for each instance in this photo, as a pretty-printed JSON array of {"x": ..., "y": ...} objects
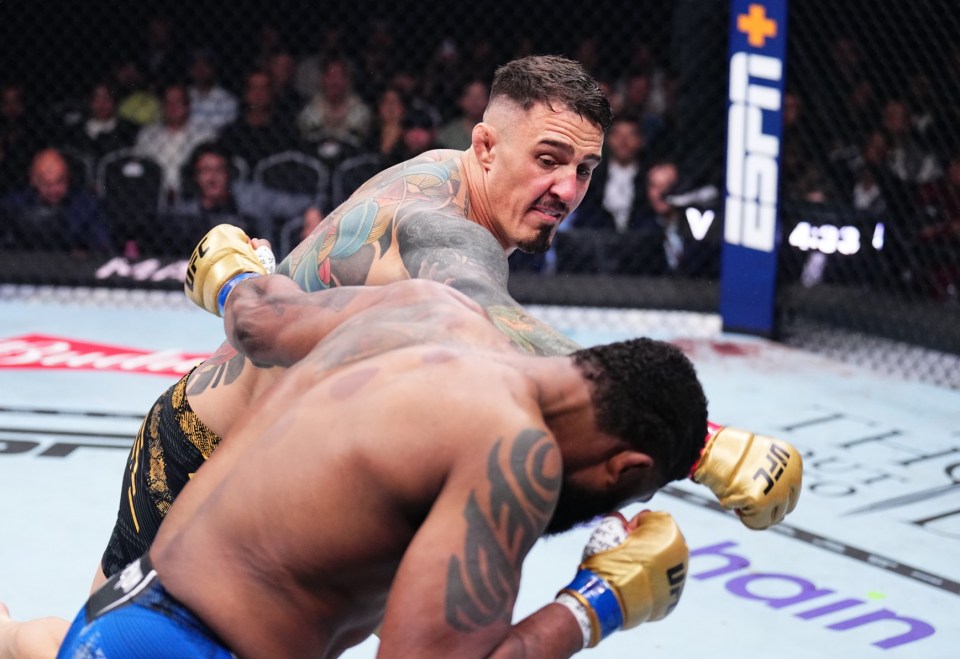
[
  {"x": 448, "y": 249},
  {"x": 482, "y": 584}
]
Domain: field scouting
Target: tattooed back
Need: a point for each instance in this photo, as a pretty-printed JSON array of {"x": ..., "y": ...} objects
[{"x": 310, "y": 505}]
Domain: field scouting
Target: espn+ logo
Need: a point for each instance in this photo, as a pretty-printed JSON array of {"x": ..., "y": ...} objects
[{"x": 752, "y": 154}]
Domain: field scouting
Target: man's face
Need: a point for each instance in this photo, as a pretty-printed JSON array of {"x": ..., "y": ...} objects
[
  {"x": 334, "y": 81},
  {"x": 474, "y": 101},
  {"x": 213, "y": 177},
  {"x": 542, "y": 161},
  {"x": 51, "y": 179},
  {"x": 202, "y": 71},
  {"x": 176, "y": 107},
  {"x": 580, "y": 502},
  {"x": 660, "y": 180},
  {"x": 258, "y": 92},
  {"x": 624, "y": 142},
  {"x": 282, "y": 68},
  {"x": 418, "y": 139},
  {"x": 896, "y": 118},
  {"x": 101, "y": 103},
  {"x": 390, "y": 107},
  {"x": 11, "y": 103}
]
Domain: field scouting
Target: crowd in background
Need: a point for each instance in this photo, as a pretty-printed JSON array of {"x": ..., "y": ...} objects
[{"x": 174, "y": 137}]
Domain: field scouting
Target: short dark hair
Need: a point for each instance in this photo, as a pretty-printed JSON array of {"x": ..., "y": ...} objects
[
  {"x": 551, "y": 79},
  {"x": 646, "y": 392},
  {"x": 211, "y": 147}
]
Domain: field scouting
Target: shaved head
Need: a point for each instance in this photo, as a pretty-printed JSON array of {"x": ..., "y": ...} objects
[{"x": 50, "y": 176}]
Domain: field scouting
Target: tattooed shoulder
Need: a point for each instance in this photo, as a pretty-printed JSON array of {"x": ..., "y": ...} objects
[{"x": 523, "y": 482}]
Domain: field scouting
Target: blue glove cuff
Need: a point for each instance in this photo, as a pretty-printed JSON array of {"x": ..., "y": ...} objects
[
  {"x": 225, "y": 290},
  {"x": 600, "y": 597}
]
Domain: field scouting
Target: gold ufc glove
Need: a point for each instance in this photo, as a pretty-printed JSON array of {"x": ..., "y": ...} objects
[
  {"x": 631, "y": 573},
  {"x": 223, "y": 258},
  {"x": 757, "y": 476}
]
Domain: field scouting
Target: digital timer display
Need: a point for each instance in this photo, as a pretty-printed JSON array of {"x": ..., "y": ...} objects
[{"x": 833, "y": 239}]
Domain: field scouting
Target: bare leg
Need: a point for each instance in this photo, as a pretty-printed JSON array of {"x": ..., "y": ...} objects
[{"x": 31, "y": 639}]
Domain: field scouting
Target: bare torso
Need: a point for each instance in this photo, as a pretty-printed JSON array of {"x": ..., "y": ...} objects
[
  {"x": 322, "y": 497},
  {"x": 357, "y": 244}
]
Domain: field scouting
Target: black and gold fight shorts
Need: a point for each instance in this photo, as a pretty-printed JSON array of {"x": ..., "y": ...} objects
[{"x": 171, "y": 445}]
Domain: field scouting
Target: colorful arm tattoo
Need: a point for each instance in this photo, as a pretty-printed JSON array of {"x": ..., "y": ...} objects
[{"x": 415, "y": 212}]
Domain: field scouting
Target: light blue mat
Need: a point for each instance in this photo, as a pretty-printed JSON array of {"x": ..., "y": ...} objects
[{"x": 868, "y": 560}]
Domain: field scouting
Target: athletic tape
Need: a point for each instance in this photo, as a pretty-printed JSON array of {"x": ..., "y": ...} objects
[
  {"x": 267, "y": 259},
  {"x": 601, "y": 598}
]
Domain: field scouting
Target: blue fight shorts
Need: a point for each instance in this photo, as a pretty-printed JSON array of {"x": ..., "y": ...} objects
[{"x": 132, "y": 615}]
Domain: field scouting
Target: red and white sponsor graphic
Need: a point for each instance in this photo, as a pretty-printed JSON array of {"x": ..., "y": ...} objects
[{"x": 40, "y": 351}]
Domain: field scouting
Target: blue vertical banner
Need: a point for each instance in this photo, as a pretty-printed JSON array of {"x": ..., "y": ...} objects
[{"x": 751, "y": 229}]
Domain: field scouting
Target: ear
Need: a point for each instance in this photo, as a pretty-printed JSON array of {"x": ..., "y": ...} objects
[
  {"x": 628, "y": 465},
  {"x": 484, "y": 138}
]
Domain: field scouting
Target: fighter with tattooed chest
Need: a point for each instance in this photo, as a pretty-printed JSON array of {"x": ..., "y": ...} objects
[{"x": 451, "y": 217}]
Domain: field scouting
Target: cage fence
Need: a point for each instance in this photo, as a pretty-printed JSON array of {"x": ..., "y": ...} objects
[{"x": 129, "y": 95}]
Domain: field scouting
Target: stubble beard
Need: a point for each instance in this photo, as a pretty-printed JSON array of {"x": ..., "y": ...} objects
[{"x": 539, "y": 243}]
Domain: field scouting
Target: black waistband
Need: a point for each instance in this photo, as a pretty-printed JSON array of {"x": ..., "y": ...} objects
[{"x": 121, "y": 588}]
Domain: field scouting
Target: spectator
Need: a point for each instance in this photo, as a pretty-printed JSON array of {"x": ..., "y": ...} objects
[
  {"x": 419, "y": 135},
  {"x": 659, "y": 215},
  {"x": 941, "y": 202},
  {"x": 387, "y": 134},
  {"x": 266, "y": 44},
  {"x": 875, "y": 188},
  {"x": 249, "y": 205},
  {"x": 137, "y": 102},
  {"x": 615, "y": 198},
  {"x": 458, "y": 133},
  {"x": 378, "y": 60},
  {"x": 310, "y": 68},
  {"x": 642, "y": 59},
  {"x": 102, "y": 131},
  {"x": 481, "y": 59},
  {"x": 800, "y": 159},
  {"x": 443, "y": 78},
  {"x": 171, "y": 141},
  {"x": 19, "y": 137},
  {"x": 335, "y": 111},
  {"x": 287, "y": 101},
  {"x": 259, "y": 132},
  {"x": 924, "y": 106},
  {"x": 606, "y": 82},
  {"x": 411, "y": 87},
  {"x": 587, "y": 52},
  {"x": 50, "y": 214},
  {"x": 859, "y": 115},
  {"x": 909, "y": 159},
  {"x": 939, "y": 237},
  {"x": 211, "y": 106},
  {"x": 162, "y": 63},
  {"x": 638, "y": 101}
]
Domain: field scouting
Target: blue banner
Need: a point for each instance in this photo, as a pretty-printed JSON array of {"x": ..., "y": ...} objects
[{"x": 751, "y": 230}]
